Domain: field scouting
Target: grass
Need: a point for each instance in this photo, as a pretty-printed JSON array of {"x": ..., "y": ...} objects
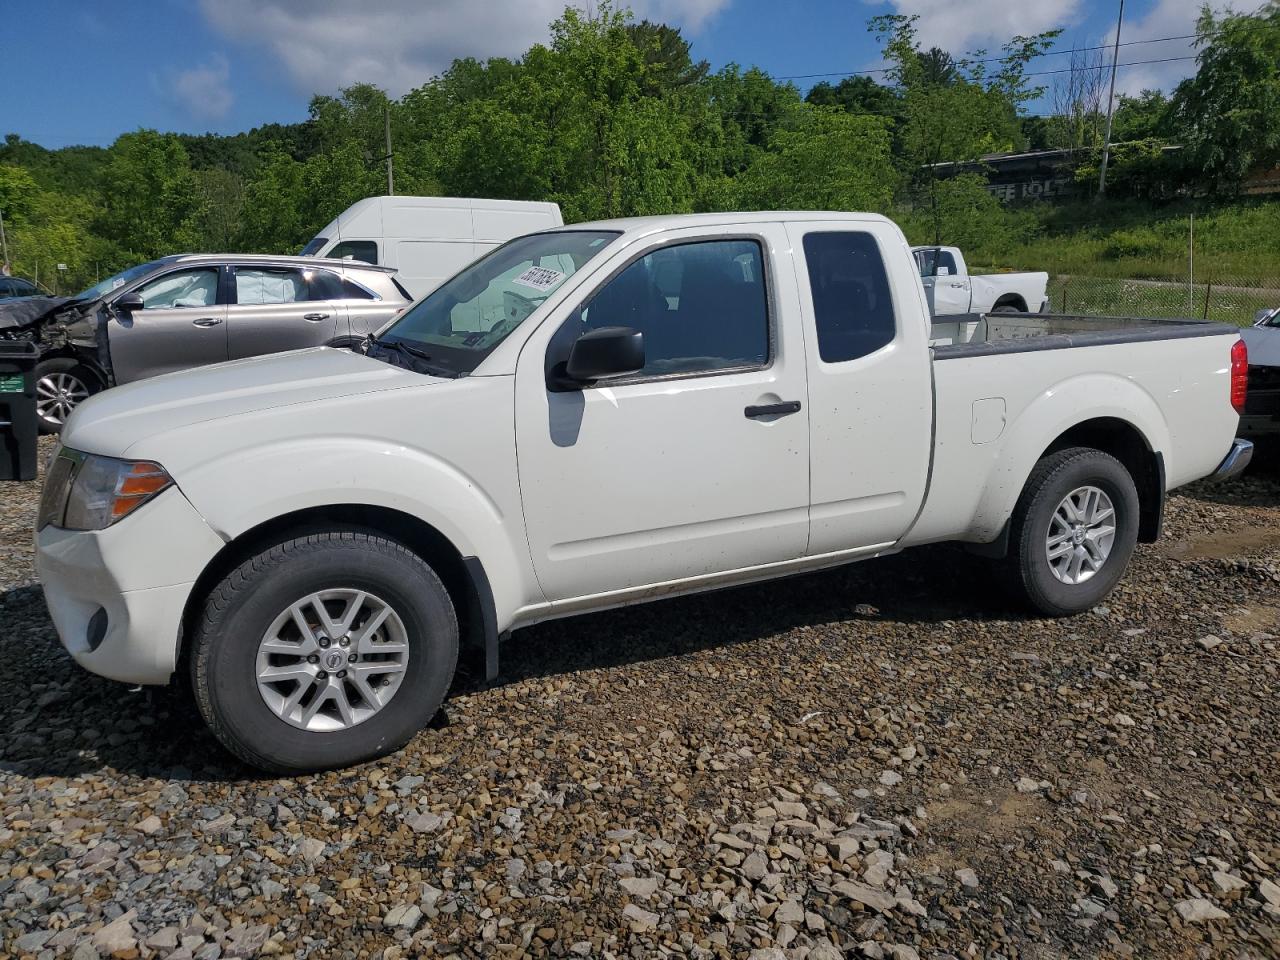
[
  {"x": 1236, "y": 244},
  {"x": 1112, "y": 296}
]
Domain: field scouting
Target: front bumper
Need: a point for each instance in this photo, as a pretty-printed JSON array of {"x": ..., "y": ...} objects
[
  {"x": 117, "y": 595},
  {"x": 1235, "y": 461}
]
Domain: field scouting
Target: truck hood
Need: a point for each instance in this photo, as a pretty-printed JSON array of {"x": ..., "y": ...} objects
[{"x": 113, "y": 421}]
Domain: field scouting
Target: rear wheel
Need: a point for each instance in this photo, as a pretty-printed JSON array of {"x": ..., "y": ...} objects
[
  {"x": 62, "y": 384},
  {"x": 1007, "y": 308},
  {"x": 1074, "y": 530},
  {"x": 323, "y": 652}
]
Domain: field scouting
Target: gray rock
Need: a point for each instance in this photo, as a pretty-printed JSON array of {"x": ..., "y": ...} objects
[
  {"x": 640, "y": 919},
  {"x": 405, "y": 916},
  {"x": 117, "y": 935},
  {"x": 32, "y": 942},
  {"x": 967, "y": 878},
  {"x": 755, "y": 866},
  {"x": 639, "y": 886},
  {"x": 1199, "y": 911},
  {"x": 866, "y": 895}
]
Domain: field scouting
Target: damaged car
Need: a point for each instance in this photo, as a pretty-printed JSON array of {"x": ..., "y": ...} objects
[
  {"x": 190, "y": 310},
  {"x": 1261, "y": 415}
]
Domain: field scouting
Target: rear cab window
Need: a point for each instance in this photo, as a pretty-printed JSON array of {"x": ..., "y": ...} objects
[{"x": 852, "y": 306}]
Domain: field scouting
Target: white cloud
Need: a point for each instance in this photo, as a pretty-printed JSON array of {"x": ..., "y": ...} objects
[
  {"x": 325, "y": 45},
  {"x": 204, "y": 91},
  {"x": 960, "y": 27},
  {"x": 1168, "y": 18}
]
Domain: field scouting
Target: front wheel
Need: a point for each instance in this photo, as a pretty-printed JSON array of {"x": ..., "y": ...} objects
[
  {"x": 323, "y": 652},
  {"x": 1074, "y": 530},
  {"x": 62, "y": 384}
]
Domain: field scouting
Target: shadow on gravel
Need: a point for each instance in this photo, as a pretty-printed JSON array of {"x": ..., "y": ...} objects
[
  {"x": 64, "y": 721},
  {"x": 1258, "y": 486},
  {"x": 68, "y": 722},
  {"x": 925, "y": 585}
]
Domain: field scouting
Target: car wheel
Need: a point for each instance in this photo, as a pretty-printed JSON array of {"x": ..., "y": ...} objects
[
  {"x": 323, "y": 651},
  {"x": 1074, "y": 530},
  {"x": 1006, "y": 308},
  {"x": 62, "y": 384}
]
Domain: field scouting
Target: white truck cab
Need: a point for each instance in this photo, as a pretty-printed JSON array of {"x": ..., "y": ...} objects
[
  {"x": 589, "y": 417},
  {"x": 427, "y": 239},
  {"x": 952, "y": 290}
]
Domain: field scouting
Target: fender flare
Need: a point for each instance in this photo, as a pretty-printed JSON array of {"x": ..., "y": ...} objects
[{"x": 1055, "y": 411}]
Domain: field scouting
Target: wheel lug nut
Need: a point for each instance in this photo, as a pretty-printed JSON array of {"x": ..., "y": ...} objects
[
  {"x": 345, "y": 642},
  {"x": 324, "y": 641},
  {"x": 313, "y": 659},
  {"x": 353, "y": 658},
  {"x": 322, "y": 675},
  {"x": 342, "y": 674}
]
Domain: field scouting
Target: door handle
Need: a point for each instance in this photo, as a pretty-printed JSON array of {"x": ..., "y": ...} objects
[
  {"x": 207, "y": 321},
  {"x": 756, "y": 411},
  {"x": 315, "y": 317}
]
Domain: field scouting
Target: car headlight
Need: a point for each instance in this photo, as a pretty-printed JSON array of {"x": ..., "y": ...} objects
[{"x": 84, "y": 491}]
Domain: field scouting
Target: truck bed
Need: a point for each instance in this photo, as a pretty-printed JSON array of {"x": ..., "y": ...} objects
[
  {"x": 975, "y": 335},
  {"x": 1016, "y": 382}
]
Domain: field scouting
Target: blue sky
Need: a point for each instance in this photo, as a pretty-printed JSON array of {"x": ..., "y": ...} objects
[{"x": 83, "y": 71}]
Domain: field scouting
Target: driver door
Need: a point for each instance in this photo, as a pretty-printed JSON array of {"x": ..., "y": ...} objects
[
  {"x": 182, "y": 324},
  {"x": 697, "y": 465}
]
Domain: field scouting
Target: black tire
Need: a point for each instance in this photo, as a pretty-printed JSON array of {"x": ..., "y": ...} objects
[
  {"x": 61, "y": 370},
  {"x": 1053, "y": 478},
  {"x": 241, "y": 608},
  {"x": 1007, "y": 308}
]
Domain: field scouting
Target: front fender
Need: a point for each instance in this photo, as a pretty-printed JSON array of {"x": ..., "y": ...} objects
[{"x": 289, "y": 476}]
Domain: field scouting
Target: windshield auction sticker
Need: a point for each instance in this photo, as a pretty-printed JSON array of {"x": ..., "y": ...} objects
[{"x": 541, "y": 279}]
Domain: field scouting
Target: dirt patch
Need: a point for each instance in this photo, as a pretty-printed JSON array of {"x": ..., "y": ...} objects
[
  {"x": 1251, "y": 620},
  {"x": 1224, "y": 544}
]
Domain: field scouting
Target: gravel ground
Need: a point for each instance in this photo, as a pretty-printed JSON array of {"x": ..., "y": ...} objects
[{"x": 881, "y": 761}]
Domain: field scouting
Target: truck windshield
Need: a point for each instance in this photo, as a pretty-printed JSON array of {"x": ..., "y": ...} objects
[{"x": 463, "y": 320}]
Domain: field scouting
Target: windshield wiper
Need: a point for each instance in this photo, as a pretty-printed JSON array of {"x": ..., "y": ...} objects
[{"x": 412, "y": 354}]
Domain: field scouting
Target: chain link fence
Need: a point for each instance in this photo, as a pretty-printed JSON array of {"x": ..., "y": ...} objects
[{"x": 1226, "y": 299}]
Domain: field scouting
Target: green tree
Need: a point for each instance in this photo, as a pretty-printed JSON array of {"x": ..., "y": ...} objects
[
  {"x": 1143, "y": 117},
  {"x": 18, "y": 192},
  {"x": 152, "y": 198},
  {"x": 1228, "y": 115},
  {"x": 831, "y": 160}
]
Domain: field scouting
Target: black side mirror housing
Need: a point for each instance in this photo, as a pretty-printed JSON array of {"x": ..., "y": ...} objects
[
  {"x": 128, "y": 302},
  {"x": 605, "y": 352}
]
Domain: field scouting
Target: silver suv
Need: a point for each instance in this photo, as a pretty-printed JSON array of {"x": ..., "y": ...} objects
[{"x": 195, "y": 309}]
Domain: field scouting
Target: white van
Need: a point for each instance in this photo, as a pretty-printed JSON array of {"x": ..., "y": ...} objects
[{"x": 428, "y": 239}]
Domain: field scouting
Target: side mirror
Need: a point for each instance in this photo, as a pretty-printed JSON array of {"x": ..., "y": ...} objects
[
  {"x": 943, "y": 271},
  {"x": 606, "y": 352},
  {"x": 128, "y": 302}
]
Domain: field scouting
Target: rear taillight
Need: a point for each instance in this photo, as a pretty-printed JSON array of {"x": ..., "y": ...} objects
[{"x": 1239, "y": 375}]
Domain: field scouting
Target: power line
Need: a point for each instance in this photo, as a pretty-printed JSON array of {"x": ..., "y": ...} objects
[{"x": 1046, "y": 53}]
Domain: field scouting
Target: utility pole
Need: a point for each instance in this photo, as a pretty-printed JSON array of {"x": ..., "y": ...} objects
[
  {"x": 1111, "y": 103},
  {"x": 391, "y": 183}
]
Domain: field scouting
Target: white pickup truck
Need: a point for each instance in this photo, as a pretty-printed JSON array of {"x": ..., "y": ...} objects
[
  {"x": 588, "y": 417},
  {"x": 951, "y": 289}
]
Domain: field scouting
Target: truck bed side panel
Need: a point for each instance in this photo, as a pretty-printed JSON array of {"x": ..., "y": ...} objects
[{"x": 1001, "y": 405}]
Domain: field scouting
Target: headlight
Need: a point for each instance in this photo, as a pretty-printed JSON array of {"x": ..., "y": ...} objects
[{"x": 84, "y": 491}]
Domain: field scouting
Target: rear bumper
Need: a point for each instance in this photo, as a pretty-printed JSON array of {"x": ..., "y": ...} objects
[{"x": 1235, "y": 461}]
